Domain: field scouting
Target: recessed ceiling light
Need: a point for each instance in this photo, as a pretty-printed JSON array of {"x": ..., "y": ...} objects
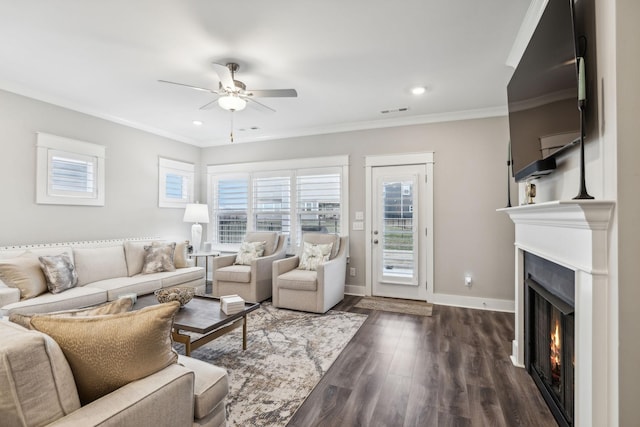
[
  {"x": 197, "y": 122},
  {"x": 418, "y": 90}
]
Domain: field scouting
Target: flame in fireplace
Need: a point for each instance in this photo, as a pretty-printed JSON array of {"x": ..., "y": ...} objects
[{"x": 555, "y": 353}]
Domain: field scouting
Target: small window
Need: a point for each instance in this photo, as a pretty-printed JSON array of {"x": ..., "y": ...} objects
[
  {"x": 176, "y": 183},
  {"x": 69, "y": 172}
]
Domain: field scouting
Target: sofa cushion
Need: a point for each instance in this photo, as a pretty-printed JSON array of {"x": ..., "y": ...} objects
[
  {"x": 107, "y": 352},
  {"x": 68, "y": 300},
  {"x": 59, "y": 272},
  {"x": 134, "y": 255},
  {"x": 180, "y": 255},
  {"x": 181, "y": 276},
  {"x": 121, "y": 305},
  {"x": 234, "y": 273},
  {"x": 211, "y": 385},
  {"x": 37, "y": 386},
  {"x": 304, "y": 280},
  {"x": 158, "y": 258},
  {"x": 93, "y": 264},
  {"x": 314, "y": 254},
  {"x": 141, "y": 284},
  {"x": 24, "y": 272},
  {"x": 269, "y": 237}
]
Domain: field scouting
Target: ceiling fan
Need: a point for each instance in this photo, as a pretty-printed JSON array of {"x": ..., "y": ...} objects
[{"x": 233, "y": 94}]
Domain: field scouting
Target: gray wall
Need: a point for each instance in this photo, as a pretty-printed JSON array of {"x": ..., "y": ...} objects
[
  {"x": 469, "y": 185},
  {"x": 131, "y": 205}
]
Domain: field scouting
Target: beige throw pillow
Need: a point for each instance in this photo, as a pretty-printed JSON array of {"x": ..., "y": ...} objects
[
  {"x": 158, "y": 258},
  {"x": 59, "y": 272},
  {"x": 108, "y": 352},
  {"x": 180, "y": 256},
  {"x": 24, "y": 273},
  {"x": 121, "y": 305},
  {"x": 313, "y": 255},
  {"x": 249, "y": 251}
]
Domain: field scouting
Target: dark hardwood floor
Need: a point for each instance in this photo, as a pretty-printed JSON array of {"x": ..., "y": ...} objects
[{"x": 451, "y": 369}]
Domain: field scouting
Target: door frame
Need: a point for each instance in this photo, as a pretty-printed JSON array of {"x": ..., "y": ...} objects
[{"x": 426, "y": 201}]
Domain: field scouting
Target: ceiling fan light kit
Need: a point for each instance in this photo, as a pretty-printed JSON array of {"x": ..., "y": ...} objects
[{"x": 232, "y": 103}]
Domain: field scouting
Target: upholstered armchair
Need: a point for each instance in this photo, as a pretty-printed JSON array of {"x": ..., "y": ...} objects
[
  {"x": 248, "y": 276},
  {"x": 314, "y": 288}
]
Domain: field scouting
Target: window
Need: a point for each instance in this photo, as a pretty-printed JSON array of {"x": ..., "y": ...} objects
[
  {"x": 69, "y": 172},
  {"x": 175, "y": 183},
  {"x": 289, "y": 197}
]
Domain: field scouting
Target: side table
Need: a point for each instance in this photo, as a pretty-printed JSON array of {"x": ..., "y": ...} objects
[{"x": 206, "y": 256}]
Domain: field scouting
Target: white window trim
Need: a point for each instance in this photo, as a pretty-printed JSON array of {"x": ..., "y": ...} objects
[
  {"x": 289, "y": 165},
  {"x": 176, "y": 167},
  {"x": 46, "y": 144}
]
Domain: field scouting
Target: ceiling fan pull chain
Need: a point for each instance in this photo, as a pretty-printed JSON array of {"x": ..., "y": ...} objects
[{"x": 231, "y": 135}]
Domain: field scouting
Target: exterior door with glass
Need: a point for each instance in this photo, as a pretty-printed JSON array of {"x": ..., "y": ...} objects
[{"x": 398, "y": 232}]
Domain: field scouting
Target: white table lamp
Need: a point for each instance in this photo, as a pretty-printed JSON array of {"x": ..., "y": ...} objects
[{"x": 196, "y": 213}]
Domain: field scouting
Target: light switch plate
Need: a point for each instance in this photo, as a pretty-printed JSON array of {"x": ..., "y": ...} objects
[
  {"x": 359, "y": 216},
  {"x": 358, "y": 225}
]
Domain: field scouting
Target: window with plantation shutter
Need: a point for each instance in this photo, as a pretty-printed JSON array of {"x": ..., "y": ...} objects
[
  {"x": 230, "y": 208},
  {"x": 272, "y": 203},
  {"x": 69, "y": 172},
  {"x": 176, "y": 181},
  {"x": 289, "y": 196}
]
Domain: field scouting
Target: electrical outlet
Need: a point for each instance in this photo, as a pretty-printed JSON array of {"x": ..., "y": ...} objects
[
  {"x": 467, "y": 280},
  {"x": 352, "y": 272}
]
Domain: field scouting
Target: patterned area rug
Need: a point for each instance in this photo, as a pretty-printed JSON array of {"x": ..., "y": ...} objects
[
  {"x": 419, "y": 308},
  {"x": 287, "y": 354}
]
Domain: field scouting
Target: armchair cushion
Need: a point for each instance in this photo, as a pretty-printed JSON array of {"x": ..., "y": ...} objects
[
  {"x": 234, "y": 273},
  {"x": 323, "y": 238},
  {"x": 269, "y": 237},
  {"x": 249, "y": 251},
  {"x": 302, "y": 280},
  {"x": 107, "y": 352},
  {"x": 211, "y": 385},
  {"x": 313, "y": 255}
]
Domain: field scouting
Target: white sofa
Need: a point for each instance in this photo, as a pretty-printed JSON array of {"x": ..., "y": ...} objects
[{"x": 105, "y": 269}]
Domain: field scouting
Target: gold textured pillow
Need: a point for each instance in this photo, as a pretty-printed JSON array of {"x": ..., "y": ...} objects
[
  {"x": 24, "y": 273},
  {"x": 121, "y": 305},
  {"x": 158, "y": 257},
  {"x": 108, "y": 352}
]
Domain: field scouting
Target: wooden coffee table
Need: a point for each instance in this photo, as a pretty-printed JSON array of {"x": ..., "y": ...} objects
[{"x": 203, "y": 316}]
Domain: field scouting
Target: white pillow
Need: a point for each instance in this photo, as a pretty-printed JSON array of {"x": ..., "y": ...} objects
[
  {"x": 249, "y": 251},
  {"x": 313, "y": 255}
]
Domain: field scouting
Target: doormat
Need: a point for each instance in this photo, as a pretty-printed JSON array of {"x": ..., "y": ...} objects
[{"x": 418, "y": 308}]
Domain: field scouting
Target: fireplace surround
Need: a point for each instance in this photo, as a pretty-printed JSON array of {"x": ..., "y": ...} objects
[{"x": 574, "y": 235}]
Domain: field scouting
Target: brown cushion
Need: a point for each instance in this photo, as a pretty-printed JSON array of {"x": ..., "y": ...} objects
[
  {"x": 59, "y": 272},
  {"x": 158, "y": 258},
  {"x": 107, "y": 352},
  {"x": 121, "y": 305},
  {"x": 24, "y": 273}
]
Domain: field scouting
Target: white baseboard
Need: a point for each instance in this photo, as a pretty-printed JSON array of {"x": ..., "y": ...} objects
[
  {"x": 474, "y": 302},
  {"x": 355, "y": 290}
]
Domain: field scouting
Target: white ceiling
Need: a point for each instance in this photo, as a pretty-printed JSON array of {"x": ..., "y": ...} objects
[{"x": 348, "y": 60}]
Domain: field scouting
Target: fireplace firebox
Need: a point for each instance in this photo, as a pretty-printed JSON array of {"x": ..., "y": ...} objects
[{"x": 549, "y": 332}]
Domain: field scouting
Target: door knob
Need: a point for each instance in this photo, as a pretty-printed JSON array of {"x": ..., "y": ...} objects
[
  {"x": 375, "y": 232},
  {"x": 375, "y": 241}
]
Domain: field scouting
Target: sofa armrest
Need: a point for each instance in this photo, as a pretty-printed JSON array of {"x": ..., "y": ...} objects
[
  {"x": 163, "y": 398},
  {"x": 8, "y": 295}
]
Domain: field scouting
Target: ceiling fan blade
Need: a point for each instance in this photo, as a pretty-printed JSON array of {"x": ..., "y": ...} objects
[
  {"x": 189, "y": 86},
  {"x": 209, "y": 105},
  {"x": 273, "y": 93},
  {"x": 224, "y": 74},
  {"x": 259, "y": 103}
]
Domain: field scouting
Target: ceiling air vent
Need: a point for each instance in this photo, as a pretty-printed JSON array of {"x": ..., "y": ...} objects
[{"x": 395, "y": 110}]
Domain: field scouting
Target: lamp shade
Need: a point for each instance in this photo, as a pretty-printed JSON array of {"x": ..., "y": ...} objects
[
  {"x": 196, "y": 212},
  {"x": 232, "y": 103}
]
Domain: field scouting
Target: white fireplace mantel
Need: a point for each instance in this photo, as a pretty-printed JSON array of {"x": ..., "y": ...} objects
[{"x": 574, "y": 234}]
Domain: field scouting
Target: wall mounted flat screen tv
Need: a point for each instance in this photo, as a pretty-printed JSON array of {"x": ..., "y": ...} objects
[{"x": 544, "y": 118}]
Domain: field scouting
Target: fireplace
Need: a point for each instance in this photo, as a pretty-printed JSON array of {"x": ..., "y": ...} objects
[
  {"x": 549, "y": 334},
  {"x": 573, "y": 236}
]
